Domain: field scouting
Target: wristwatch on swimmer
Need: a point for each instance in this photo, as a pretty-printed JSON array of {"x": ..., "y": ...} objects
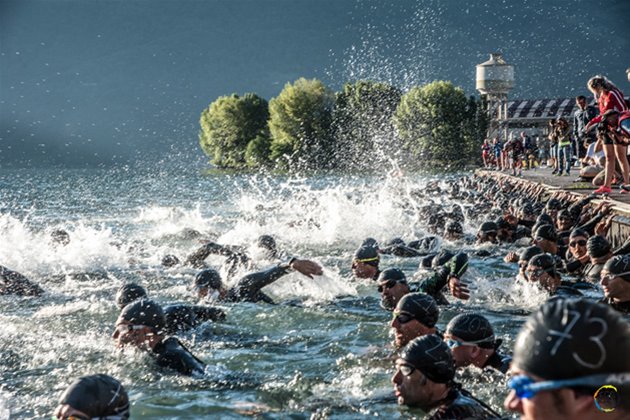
[{"x": 287, "y": 265}]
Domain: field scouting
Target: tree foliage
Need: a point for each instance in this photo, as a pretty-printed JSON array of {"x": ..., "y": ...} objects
[
  {"x": 300, "y": 118},
  {"x": 362, "y": 122},
  {"x": 229, "y": 125},
  {"x": 439, "y": 125}
]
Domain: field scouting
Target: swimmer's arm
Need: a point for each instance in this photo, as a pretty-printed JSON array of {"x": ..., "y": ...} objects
[
  {"x": 434, "y": 284},
  {"x": 401, "y": 251},
  {"x": 197, "y": 257}
]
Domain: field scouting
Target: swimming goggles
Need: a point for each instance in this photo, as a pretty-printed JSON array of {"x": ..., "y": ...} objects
[
  {"x": 451, "y": 343},
  {"x": 526, "y": 387},
  {"x": 403, "y": 317},
  {"x": 388, "y": 285}
]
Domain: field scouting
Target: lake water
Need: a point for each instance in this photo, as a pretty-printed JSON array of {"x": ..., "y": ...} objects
[{"x": 327, "y": 354}]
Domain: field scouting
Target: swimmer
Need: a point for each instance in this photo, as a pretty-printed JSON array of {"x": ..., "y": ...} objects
[
  {"x": 578, "y": 258},
  {"x": 209, "y": 286},
  {"x": 415, "y": 315},
  {"x": 563, "y": 354},
  {"x": 599, "y": 251},
  {"x": 449, "y": 275},
  {"x": 14, "y": 283},
  {"x": 472, "y": 341},
  {"x": 541, "y": 270},
  {"x": 93, "y": 397},
  {"x": 392, "y": 285},
  {"x": 179, "y": 317},
  {"x": 60, "y": 237},
  {"x": 141, "y": 324},
  {"x": 365, "y": 263},
  {"x": 615, "y": 280},
  {"x": 546, "y": 238},
  {"x": 424, "y": 378},
  {"x": 487, "y": 233}
]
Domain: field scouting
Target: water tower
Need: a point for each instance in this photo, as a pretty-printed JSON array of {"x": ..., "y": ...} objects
[{"x": 495, "y": 78}]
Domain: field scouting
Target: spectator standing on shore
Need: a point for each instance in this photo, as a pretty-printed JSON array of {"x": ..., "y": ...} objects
[
  {"x": 530, "y": 150},
  {"x": 553, "y": 145},
  {"x": 582, "y": 115},
  {"x": 498, "y": 149},
  {"x": 514, "y": 149},
  {"x": 609, "y": 97},
  {"x": 542, "y": 143},
  {"x": 564, "y": 146},
  {"x": 486, "y": 153}
]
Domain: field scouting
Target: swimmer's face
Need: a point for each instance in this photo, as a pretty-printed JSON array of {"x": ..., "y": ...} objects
[
  {"x": 462, "y": 354},
  {"x": 614, "y": 286},
  {"x": 577, "y": 246},
  {"x": 564, "y": 223},
  {"x": 391, "y": 292},
  {"x": 406, "y": 328},
  {"x": 363, "y": 270},
  {"x": 413, "y": 388},
  {"x": 127, "y": 334},
  {"x": 542, "y": 406}
]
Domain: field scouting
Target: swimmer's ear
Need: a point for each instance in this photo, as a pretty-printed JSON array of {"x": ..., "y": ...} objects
[{"x": 583, "y": 403}]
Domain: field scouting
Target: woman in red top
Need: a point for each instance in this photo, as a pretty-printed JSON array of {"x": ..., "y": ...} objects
[{"x": 609, "y": 97}]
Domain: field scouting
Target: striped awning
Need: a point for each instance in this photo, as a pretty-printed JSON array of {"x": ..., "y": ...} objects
[{"x": 537, "y": 109}]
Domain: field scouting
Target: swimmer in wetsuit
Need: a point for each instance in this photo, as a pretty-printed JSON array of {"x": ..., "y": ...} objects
[
  {"x": 179, "y": 317},
  {"x": 141, "y": 324},
  {"x": 93, "y": 397},
  {"x": 209, "y": 286},
  {"x": 14, "y": 283},
  {"x": 472, "y": 342},
  {"x": 424, "y": 378}
]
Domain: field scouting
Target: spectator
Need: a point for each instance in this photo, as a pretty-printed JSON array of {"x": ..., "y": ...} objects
[
  {"x": 542, "y": 144},
  {"x": 553, "y": 145},
  {"x": 582, "y": 115},
  {"x": 564, "y": 146},
  {"x": 609, "y": 98},
  {"x": 497, "y": 147},
  {"x": 485, "y": 154}
]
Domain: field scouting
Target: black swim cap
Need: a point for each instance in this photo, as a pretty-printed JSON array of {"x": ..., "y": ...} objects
[
  {"x": 544, "y": 219},
  {"x": 369, "y": 242},
  {"x": 617, "y": 265},
  {"x": 267, "y": 242},
  {"x": 170, "y": 260},
  {"x": 565, "y": 214},
  {"x": 129, "y": 292},
  {"x": 488, "y": 227},
  {"x": 553, "y": 204},
  {"x": 578, "y": 232},
  {"x": 367, "y": 254},
  {"x": 431, "y": 356},
  {"x": 472, "y": 328},
  {"x": 569, "y": 338},
  {"x": 529, "y": 252},
  {"x": 392, "y": 274},
  {"x": 208, "y": 278},
  {"x": 395, "y": 241},
  {"x": 545, "y": 261},
  {"x": 597, "y": 246},
  {"x": 547, "y": 232},
  {"x": 527, "y": 209},
  {"x": 422, "y": 306},
  {"x": 454, "y": 227},
  {"x": 60, "y": 236},
  {"x": 97, "y": 396},
  {"x": 144, "y": 312}
]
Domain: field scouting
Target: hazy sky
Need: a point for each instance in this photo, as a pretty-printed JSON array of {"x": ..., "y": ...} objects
[{"x": 111, "y": 81}]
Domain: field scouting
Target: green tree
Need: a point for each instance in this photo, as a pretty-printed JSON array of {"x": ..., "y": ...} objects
[
  {"x": 229, "y": 125},
  {"x": 300, "y": 118},
  {"x": 362, "y": 123},
  {"x": 437, "y": 125}
]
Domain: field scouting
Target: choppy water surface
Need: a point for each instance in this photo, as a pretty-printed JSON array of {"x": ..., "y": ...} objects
[{"x": 327, "y": 356}]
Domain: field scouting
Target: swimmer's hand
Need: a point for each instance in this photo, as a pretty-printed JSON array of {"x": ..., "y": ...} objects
[
  {"x": 511, "y": 257},
  {"x": 306, "y": 267},
  {"x": 458, "y": 288}
]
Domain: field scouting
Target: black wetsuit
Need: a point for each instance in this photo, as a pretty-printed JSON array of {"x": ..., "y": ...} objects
[
  {"x": 623, "y": 307},
  {"x": 459, "y": 404},
  {"x": 14, "y": 283},
  {"x": 499, "y": 362},
  {"x": 592, "y": 272},
  {"x": 402, "y": 251},
  {"x": 182, "y": 317},
  {"x": 172, "y": 354},
  {"x": 235, "y": 256},
  {"x": 248, "y": 288},
  {"x": 433, "y": 285}
]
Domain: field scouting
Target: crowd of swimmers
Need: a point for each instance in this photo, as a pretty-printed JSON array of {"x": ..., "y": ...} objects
[{"x": 567, "y": 350}]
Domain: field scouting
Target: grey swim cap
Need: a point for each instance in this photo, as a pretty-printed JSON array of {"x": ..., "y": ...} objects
[
  {"x": 422, "y": 306},
  {"x": 144, "y": 312},
  {"x": 128, "y": 293}
]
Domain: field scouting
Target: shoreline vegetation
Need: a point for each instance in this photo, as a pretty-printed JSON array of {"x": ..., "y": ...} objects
[{"x": 308, "y": 127}]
